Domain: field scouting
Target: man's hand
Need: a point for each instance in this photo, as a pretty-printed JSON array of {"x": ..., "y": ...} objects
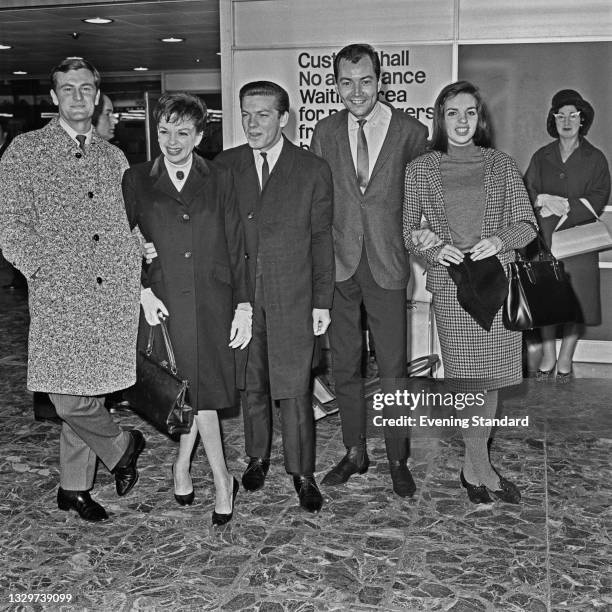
[
  {"x": 425, "y": 239},
  {"x": 449, "y": 254},
  {"x": 242, "y": 326},
  {"x": 320, "y": 321},
  {"x": 153, "y": 308},
  {"x": 150, "y": 252},
  {"x": 486, "y": 248}
]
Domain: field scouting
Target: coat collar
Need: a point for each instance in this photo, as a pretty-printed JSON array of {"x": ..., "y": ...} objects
[
  {"x": 553, "y": 153},
  {"x": 198, "y": 176}
]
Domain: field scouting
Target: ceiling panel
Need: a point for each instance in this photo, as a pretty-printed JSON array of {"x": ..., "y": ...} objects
[{"x": 41, "y": 36}]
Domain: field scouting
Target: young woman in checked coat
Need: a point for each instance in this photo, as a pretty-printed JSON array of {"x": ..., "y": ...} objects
[{"x": 474, "y": 201}]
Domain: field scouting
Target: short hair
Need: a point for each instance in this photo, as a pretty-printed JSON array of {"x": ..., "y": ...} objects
[
  {"x": 482, "y": 136},
  {"x": 181, "y": 106},
  {"x": 354, "y": 53},
  {"x": 75, "y": 63},
  {"x": 267, "y": 88},
  {"x": 98, "y": 108}
]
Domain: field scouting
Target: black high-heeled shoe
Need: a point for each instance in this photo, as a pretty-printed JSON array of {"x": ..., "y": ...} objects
[
  {"x": 219, "y": 518},
  {"x": 476, "y": 494},
  {"x": 183, "y": 500},
  {"x": 508, "y": 492}
]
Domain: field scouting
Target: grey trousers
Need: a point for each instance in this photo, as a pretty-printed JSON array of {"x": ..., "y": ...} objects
[{"x": 88, "y": 432}]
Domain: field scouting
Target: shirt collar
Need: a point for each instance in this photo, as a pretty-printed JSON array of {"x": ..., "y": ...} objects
[
  {"x": 73, "y": 134},
  {"x": 273, "y": 153},
  {"x": 375, "y": 113}
]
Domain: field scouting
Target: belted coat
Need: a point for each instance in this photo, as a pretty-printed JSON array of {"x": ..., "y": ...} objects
[{"x": 63, "y": 224}]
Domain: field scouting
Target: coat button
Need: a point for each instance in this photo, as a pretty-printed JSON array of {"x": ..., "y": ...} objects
[
  {"x": 250, "y": 215},
  {"x": 99, "y": 280},
  {"x": 187, "y": 254},
  {"x": 90, "y": 194},
  {"x": 562, "y": 175},
  {"x": 186, "y": 217},
  {"x": 96, "y": 237},
  {"x": 78, "y": 155},
  {"x": 246, "y": 255}
]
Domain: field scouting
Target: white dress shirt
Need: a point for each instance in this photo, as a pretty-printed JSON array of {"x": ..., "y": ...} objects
[
  {"x": 70, "y": 131},
  {"x": 273, "y": 154}
]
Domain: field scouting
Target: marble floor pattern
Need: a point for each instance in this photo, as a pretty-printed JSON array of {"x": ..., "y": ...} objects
[{"x": 367, "y": 550}]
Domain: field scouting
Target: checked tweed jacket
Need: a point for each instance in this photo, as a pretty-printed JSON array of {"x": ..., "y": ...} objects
[
  {"x": 473, "y": 358},
  {"x": 63, "y": 224}
]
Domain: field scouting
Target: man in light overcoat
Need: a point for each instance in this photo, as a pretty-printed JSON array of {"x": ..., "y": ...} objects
[{"x": 63, "y": 224}]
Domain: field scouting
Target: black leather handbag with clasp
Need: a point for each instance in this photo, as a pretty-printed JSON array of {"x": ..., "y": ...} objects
[{"x": 159, "y": 395}]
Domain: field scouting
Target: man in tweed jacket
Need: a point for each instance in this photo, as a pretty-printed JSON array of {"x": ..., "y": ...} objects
[{"x": 63, "y": 224}]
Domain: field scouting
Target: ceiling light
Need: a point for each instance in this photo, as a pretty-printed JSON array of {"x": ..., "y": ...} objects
[
  {"x": 4, "y": 47},
  {"x": 140, "y": 68},
  {"x": 19, "y": 72},
  {"x": 172, "y": 39},
  {"x": 98, "y": 20}
]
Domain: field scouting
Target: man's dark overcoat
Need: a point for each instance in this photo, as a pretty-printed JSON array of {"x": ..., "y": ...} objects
[
  {"x": 289, "y": 224},
  {"x": 200, "y": 272}
]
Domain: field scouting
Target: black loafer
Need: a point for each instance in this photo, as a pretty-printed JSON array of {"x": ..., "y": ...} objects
[
  {"x": 126, "y": 474},
  {"x": 308, "y": 492},
  {"x": 218, "y": 518},
  {"x": 403, "y": 483},
  {"x": 356, "y": 461},
  {"x": 476, "y": 494},
  {"x": 81, "y": 501},
  {"x": 255, "y": 474}
]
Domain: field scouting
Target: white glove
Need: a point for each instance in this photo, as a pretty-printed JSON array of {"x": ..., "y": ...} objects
[
  {"x": 552, "y": 205},
  {"x": 153, "y": 308},
  {"x": 242, "y": 326}
]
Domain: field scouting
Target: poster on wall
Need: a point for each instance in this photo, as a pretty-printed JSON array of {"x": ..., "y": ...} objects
[{"x": 411, "y": 77}]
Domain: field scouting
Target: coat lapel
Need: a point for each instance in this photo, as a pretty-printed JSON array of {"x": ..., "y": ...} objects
[
  {"x": 196, "y": 181},
  {"x": 390, "y": 145},
  {"x": 344, "y": 154},
  {"x": 161, "y": 179}
]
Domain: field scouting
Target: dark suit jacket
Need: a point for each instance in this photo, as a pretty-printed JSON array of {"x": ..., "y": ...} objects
[
  {"x": 374, "y": 217},
  {"x": 289, "y": 224},
  {"x": 200, "y": 271}
]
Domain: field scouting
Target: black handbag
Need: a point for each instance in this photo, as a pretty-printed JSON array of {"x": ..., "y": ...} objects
[
  {"x": 539, "y": 292},
  {"x": 159, "y": 395}
]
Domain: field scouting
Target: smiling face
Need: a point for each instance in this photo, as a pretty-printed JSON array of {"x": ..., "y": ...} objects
[
  {"x": 107, "y": 120},
  {"x": 75, "y": 94},
  {"x": 357, "y": 86},
  {"x": 177, "y": 139},
  {"x": 261, "y": 121},
  {"x": 461, "y": 118}
]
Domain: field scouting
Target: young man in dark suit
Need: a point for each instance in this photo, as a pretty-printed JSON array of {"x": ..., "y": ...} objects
[
  {"x": 285, "y": 200},
  {"x": 367, "y": 146}
]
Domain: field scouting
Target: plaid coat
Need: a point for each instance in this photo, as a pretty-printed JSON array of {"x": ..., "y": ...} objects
[
  {"x": 468, "y": 351},
  {"x": 63, "y": 224}
]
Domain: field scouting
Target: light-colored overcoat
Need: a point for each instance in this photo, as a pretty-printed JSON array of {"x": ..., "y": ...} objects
[{"x": 63, "y": 224}]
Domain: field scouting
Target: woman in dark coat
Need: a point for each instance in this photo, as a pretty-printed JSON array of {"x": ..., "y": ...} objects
[
  {"x": 560, "y": 178},
  {"x": 186, "y": 208},
  {"x": 476, "y": 208}
]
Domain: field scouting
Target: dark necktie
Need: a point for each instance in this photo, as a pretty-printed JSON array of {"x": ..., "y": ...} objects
[
  {"x": 180, "y": 175},
  {"x": 81, "y": 138},
  {"x": 265, "y": 170},
  {"x": 363, "y": 164}
]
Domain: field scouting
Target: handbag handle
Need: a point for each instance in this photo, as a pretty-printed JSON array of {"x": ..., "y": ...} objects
[
  {"x": 168, "y": 344},
  {"x": 544, "y": 251}
]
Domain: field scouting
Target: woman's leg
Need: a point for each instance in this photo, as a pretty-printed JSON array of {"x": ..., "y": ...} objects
[
  {"x": 571, "y": 335},
  {"x": 208, "y": 425},
  {"x": 549, "y": 351},
  {"x": 182, "y": 463},
  {"x": 477, "y": 468}
]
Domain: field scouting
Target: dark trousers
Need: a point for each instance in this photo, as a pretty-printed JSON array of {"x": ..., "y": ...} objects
[
  {"x": 297, "y": 420},
  {"x": 386, "y": 311}
]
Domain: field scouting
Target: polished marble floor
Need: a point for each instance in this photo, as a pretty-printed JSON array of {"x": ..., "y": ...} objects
[{"x": 366, "y": 550}]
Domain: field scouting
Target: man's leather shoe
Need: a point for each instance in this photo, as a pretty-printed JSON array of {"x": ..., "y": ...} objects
[
  {"x": 308, "y": 492},
  {"x": 255, "y": 474},
  {"x": 355, "y": 461},
  {"x": 81, "y": 501},
  {"x": 126, "y": 474},
  {"x": 403, "y": 483}
]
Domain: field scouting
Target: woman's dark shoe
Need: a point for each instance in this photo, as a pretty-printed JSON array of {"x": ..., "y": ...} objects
[
  {"x": 545, "y": 375},
  {"x": 476, "y": 494},
  {"x": 219, "y": 518},
  {"x": 564, "y": 377},
  {"x": 508, "y": 492},
  {"x": 183, "y": 500}
]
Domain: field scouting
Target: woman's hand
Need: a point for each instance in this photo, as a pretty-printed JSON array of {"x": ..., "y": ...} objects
[
  {"x": 449, "y": 254},
  {"x": 242, "y": 326},
  {"x": 486, "y": 248},
  {"x": 425, "y": 239},
  {"x": 153, "y": 308},
  {"x": 552, "y": 205}
]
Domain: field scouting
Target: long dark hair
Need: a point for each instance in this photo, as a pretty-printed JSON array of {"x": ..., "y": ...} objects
[{"x": 482, "y": 136}]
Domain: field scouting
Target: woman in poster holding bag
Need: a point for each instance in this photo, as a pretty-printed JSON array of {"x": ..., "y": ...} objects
[
  {"x": 185, "y": 208},
  {"x": 565, "y": 180}
]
